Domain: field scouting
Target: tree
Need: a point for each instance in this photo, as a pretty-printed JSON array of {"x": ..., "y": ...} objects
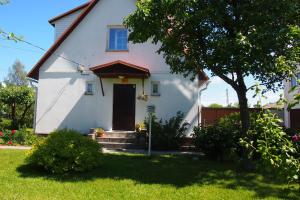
[
  {"x": 17, "y": 75},
  {"x": 230, "y": 38},
  {"x": 215, "y": 105},
  {"x": 19, "y": 100},
  {"x": 2, "y": 2}
]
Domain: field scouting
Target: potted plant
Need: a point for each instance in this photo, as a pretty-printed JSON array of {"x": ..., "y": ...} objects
[{"x": 100, "y": 132}]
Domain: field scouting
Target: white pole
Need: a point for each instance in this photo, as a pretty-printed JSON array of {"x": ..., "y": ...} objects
[{"x": 150, "y": 130}]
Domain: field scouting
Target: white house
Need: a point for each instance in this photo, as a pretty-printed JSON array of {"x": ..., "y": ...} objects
[
  {"x": 292, "y": 117},
  {"x": 93, "y": 77}
]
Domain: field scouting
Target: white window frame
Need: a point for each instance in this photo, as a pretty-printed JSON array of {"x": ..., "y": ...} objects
[
  {"x": 87, "y": 87},
  {"x": 158, "y": 93},
  {"x": 108, "y": 49}
]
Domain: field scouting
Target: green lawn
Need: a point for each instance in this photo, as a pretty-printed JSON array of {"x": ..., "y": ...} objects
[{"x": 127, "y": 176}]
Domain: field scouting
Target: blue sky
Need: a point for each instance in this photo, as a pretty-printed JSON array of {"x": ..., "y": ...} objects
[{"x": 29, "y": 19}]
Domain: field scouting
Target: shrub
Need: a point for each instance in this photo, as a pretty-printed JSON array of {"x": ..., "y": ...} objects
[
  {"x": 65, "y": 151},
  {"x": 278, "y": 153},
  {"x": 168, "y": 135},
  {"x": 18, "y": 137},
  {"x": 221, "y": 140},
  {"x": 5, "y": 124}
]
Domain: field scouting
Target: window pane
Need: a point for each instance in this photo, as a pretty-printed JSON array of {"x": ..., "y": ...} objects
[
  {"x": 112, "y": 39},
  {"x": 155, "y": 88},
  {"x": 118, "y": 39},
  {"x": 89, "y": 88}
]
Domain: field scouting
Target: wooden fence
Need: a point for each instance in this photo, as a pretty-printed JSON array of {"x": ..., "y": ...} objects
[{"x": 212, "y": 115}]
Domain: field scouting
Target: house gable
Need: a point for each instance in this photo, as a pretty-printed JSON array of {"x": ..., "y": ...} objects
[{"x": 34, "y": 73}]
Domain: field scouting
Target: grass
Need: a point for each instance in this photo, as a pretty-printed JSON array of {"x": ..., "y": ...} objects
[{"x": 128, "y": 176}]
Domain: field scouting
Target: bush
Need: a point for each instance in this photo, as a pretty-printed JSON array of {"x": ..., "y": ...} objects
[
  {"x": 168, "y": 135},
  {"x": 18, "y": 137},
  {"x": 65, "y": 151},
  {"x": 5, "y": 124},
  {"x": 277, "y": 149},
  {"x": 221, "y": 140}
]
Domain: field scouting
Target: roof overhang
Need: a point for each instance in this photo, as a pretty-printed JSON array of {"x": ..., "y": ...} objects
[
  {"x": 54, "y": 19},
  {"x": 119, "y": 69}
]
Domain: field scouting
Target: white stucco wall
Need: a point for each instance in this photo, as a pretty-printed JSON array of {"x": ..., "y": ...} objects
[
  {"x": 62, "y": 24},
  {"x": 61, "y": 100}
]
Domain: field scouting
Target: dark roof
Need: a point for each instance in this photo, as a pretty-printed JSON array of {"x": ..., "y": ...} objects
[
  {"x": 34, "y": 73},
  {"x": 68, "y": 13},
  {"x": 120, "y": 68}
]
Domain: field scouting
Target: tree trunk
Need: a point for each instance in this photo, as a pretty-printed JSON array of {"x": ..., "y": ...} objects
[
  {"x": 244, "y": 111},
  {"x": 13, "y": 116}
]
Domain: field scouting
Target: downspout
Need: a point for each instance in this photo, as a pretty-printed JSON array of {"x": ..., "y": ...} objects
[
  {"x": 31, "y": 81},
  {"x": 201, "y": 89}
]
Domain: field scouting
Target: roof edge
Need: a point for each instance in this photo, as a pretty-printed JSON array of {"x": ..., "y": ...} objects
[
  {"x": 34, "y": 72},
  {"x": 51, "y": 21},
  {"x": 120, "y": 62}
]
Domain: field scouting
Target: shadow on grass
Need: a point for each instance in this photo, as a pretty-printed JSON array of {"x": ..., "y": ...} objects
[{"x": 178, "y": 171}]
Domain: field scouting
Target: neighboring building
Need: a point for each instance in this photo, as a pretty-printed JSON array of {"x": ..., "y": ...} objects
[
  {"x": 92, "y": 77},
  {"x": 292, "y": 117}
]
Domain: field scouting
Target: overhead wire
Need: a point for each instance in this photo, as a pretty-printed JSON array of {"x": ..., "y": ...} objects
[{"x": 38, "y": 47}]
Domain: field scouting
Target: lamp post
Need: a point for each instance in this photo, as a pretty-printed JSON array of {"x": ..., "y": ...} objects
[{"x": 150, "y": 110}]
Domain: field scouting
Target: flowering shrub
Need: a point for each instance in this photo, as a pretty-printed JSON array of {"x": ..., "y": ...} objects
[
  {"x": 17, "y": 137},
  {"x": 277, "y": 150}
]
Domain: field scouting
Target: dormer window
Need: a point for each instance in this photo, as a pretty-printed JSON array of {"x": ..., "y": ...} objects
[{"x": 118, "y": 39}]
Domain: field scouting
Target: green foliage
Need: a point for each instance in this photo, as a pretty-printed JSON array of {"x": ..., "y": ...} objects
[
  {"x": 168, "y": 135},
  {"x": 18, "y": 137},
  {"x": 18, "y": 104},
  {"x": 66, "y": 151},
  {"x": 276, "y": 148},
  {"x": 215, "y": 105},
  {"x": 5, "y": 124},
  {"x": 231, "y": 39},
  {"x": 220, "y": 141}
]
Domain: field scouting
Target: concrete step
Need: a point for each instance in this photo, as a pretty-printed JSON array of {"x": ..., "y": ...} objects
[
  {"x": 116, "y": 139},
  {"x": 120, "y": 134},
  {"x": 116, "y": 145}
]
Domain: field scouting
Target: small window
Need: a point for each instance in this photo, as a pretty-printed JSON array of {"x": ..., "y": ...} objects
[
  {"x": 89, "y": 90},
  {"x": 155, "y": 89},
  {"x": 118, "y": 39}
]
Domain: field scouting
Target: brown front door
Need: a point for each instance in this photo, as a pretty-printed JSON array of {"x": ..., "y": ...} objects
[{"x": 124, "y": 107}]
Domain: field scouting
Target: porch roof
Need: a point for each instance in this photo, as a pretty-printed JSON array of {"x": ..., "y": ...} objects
[{"x": 120, "y": 68}]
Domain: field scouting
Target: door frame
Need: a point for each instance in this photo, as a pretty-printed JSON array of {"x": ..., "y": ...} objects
[{"x": 113, "y": 104}]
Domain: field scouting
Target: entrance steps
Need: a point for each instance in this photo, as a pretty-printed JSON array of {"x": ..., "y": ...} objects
[{"x": 121, "y": 140}]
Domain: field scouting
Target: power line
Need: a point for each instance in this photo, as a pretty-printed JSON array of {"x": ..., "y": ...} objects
[
  {"x": 38, "y": 47},
  {"x": 27, "y": 50}
]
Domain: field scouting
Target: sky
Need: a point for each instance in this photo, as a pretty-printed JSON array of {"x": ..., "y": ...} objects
[{"x": 29, "y": 19}]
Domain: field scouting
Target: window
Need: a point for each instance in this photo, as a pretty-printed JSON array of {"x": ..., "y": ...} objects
[
  {"x": 155, "y": 88},
  {"x": 89, "y": 90},
  {"x": 294, "y": 81},
  {"x": 118, "y": 39}
]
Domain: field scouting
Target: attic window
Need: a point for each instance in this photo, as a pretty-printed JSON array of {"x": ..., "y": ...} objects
[{"x": 118, "y": 39}]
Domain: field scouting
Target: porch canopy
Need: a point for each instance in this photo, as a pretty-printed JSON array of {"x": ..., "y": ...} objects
[{"x": 120, "y": 69}]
